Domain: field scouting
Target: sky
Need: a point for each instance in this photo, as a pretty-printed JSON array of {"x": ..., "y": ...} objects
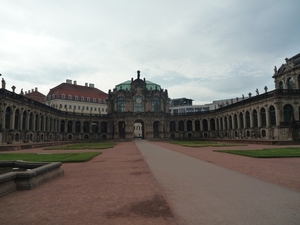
[{"x": 198, "y": 49}]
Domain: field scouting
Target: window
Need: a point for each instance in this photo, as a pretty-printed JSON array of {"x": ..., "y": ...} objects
[
  {"x": 290, "y": 84},
  {"x": 82, "y": 98},
  {"x": 53, "y": 96},
  {"x": 79, "y": 107},
  {"x": 121, "y": 104},
  {"x": 155, "y": 104},
  {"x": 255, "y": 120},
  {"x": 60, "y": 106},
  {"x": 70, "y": 106},
  {"x": 70, "y": 97},
  {"x": 99, "y": 100},
  {"x": 74, "y": 107},
  {"x": 88, "y": 99},
  {"x": 63, "y": 96},
  {"x": 94, "y": 100},
  {"x": 263, "y": 117},
  {"x": 272, "y": 116},
  {"x": 87, "y": 108},
  {"x": 76, "y": 97}
]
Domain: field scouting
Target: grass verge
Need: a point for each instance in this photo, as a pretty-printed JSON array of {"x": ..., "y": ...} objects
[
  {"x": 203, "y": 143},
  {"x": 49, "y": 157},
  {"x": 266, "y": 153},
  {"x": 93, "y": 145}
]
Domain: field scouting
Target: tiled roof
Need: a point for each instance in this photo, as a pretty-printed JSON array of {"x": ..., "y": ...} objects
[{"x": 77, "y": 90}]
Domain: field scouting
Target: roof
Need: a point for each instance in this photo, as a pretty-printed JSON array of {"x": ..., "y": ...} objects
[
  {"x": 127, "y": 85},
  {"x": 36, "y": 95},
  {"x": 77, "y": 90}
]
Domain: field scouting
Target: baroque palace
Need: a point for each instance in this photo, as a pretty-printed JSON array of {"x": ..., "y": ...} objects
[{"x": 140, "y": 108}]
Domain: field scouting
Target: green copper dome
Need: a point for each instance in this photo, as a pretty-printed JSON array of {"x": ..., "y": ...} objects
[{"x": 127, "y": 85}]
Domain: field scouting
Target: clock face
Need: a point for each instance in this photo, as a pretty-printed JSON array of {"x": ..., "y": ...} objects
[{"x": 138, "y": 100}]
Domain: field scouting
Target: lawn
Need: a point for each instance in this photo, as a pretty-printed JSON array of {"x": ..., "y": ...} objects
[
  {"x": 49, "y": 157},
  {"x": 93, "y": 145},
  {"x": 266, "y": 153},
  {"x": 190, "y": 143}
]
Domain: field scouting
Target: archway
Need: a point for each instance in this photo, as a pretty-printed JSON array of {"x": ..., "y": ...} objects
[
  {"x": 138, "y": 129},
  {"x": 122, "y": 129},
  {"x": 156, "y": 129}
]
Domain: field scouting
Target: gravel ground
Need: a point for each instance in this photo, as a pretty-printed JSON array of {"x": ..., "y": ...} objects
[{"x": 117, "y": 187}]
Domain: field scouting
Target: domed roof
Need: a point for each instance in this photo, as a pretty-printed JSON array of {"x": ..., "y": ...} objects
[{"x": 127, "y": 86}]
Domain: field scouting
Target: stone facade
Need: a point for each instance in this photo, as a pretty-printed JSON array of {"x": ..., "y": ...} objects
[{"x": 272, "y": 115}]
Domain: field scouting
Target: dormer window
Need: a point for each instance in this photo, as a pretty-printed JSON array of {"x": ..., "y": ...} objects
[
  {"x": 88, "y": 99},
  {"x": 70, "y": 97},
  {"x": 82, "y": 98},
  {"x": 99, "y": 100},
  {"x": 63, "y": 96},
  {"x": 53, "y": 96},
  {"x": 94, "y": 100},
  {"x": 76, "y": 97}
]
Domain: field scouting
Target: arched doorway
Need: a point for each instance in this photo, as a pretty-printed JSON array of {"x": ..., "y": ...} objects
[
  {"x": 122, "y": 129},
  {"x": 138, "y": 129},
  {"x": 156, "y": 129}
]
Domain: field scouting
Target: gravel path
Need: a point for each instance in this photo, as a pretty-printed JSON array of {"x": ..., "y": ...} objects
[{"x": 202, "y": 193}]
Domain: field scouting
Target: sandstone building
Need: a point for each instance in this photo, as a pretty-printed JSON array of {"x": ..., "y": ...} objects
[{"x": 139, "y": 104}]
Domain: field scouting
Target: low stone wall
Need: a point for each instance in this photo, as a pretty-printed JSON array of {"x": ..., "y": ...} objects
[{"x": 36, "y": 174}]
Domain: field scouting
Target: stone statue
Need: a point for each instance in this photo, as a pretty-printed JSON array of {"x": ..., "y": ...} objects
[
  {"x": 3, "y": 83},
  {"x": 275, "y": 69},
  {"x": 138, "y": 75},
  {"x": 243, "y": 96},
  {"x": 257, "y": 92},
  {"x": 13, "y": 88},
  {"x": 266, "y": 89},
  {"x": 249, "y": 94},
  {"x": 22, "y": 93}
]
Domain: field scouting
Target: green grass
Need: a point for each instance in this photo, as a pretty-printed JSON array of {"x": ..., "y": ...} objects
[
  {"x": 93, "y": 145},
  {"x": 190, "y": 143},
  {"x": 49, "y": 157},
  {"x": 266, "y": 153}
]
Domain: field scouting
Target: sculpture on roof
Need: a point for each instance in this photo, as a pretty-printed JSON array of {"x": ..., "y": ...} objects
[{"x": 138, "y": 74}]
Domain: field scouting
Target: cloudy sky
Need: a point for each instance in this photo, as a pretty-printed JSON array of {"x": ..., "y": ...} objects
[{"x": 198, "y": 49}]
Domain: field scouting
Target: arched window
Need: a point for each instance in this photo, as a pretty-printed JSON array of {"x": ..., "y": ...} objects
[
  {"x": 121, "y": 104},
  {"x": 288, "y": 113},
  {"x": 180, "y": 125},
  {"x": 62, "y": 126},
  {"x": 235, "y": 121},
  {"x": 281, "y": 85},
  {"x": 225, "y": 123},
  {"x": 77, "y": 126},
  {"x": 63, "y": 96},
  {"x": 76, "y": 97},
  {"x": 99, "y": 100},
  {"x": 189, "y": 126},
  {"x": 94, "y": 99},
  {"x": 88, "y": 99},
  {"x": 241, "y": 117},
  {"x": 86, "y": 127},
  {"x": 172, "y": 126},
  {"x": 155, "y": 104},
  {"x": 17, "y": 119},
  {"x": 8, "y": 117},
  {"x": 263, "y": 117},
  {"x": 205, "y": 125},
  {"x": 272, "y": 115},
  {"x": 197, "y": 125},
  {"x": 212, "y": 124},
  {"x": 255, "y": 120},
  {"x": 230, "y": 122},
  {"x": 82, "y": 98},
  {"x": 247, "y": 119},
  {"x": 289, "y": 83}
]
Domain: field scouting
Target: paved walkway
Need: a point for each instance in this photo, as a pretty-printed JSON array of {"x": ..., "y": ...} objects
[{"x": 203, "y": 193}]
